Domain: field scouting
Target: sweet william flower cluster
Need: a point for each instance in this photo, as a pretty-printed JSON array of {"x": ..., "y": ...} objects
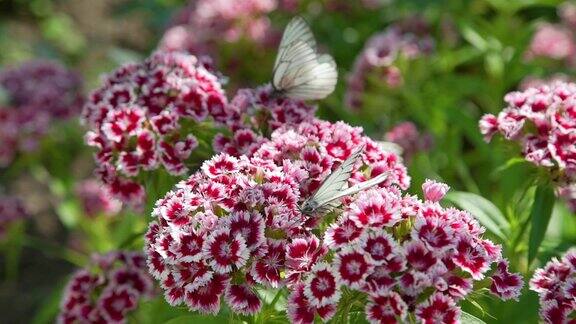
[
  {"x": 235, "y": 226},
  {"x": 226, "y": 230},
  {"x": 32, "y": 97},
  {"x": 107, "y": 290},
  {"x": 142, "y": 119},
  {"x": 555, "y": 284},
  {"x": 203, "y": 24},
  {"x": 543, "y": 121}
]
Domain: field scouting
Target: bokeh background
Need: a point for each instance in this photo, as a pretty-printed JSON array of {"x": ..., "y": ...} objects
[{"x": 419, "y": 73}]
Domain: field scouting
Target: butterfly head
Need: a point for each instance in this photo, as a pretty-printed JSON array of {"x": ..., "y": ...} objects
[{"x": 308, "y": 207}]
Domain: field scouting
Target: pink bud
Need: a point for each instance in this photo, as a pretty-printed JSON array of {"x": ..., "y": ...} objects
[{"x": 434, "y": 191}]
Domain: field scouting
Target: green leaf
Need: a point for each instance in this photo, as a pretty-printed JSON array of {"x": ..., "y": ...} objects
[
  {"x": 540, "y": 214},
  {"x": 486, "y": 212},
  {"x": 466, "y": 318}
]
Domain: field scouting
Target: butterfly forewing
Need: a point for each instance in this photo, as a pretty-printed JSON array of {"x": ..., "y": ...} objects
[
  {"x": 297, "y": 29},
  {"x": 336, "y": 181}
]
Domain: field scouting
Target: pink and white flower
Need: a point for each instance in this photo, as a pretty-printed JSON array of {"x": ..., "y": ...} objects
[{"x": 323, "y": 285}]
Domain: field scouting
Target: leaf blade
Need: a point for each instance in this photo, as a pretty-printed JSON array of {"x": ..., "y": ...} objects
[
  {"x": 482, "y": 209},
  {"x": 540, "y": 215}
]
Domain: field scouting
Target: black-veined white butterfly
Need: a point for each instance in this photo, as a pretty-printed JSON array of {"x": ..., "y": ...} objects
[
  {"x": 299, "y": 71},
  {"x": 334, "y": 186}
]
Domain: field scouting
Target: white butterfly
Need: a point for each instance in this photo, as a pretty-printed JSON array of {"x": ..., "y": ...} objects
[
  {"x": 334, "y": 186},
  {"x": 299, "y": 71}
]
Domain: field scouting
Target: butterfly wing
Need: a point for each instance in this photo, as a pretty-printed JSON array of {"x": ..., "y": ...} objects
[
  {"x": 390, "y": 147},
  {"x": 336, "y": 181},
  {"x": 299, "y": 72},
  {"x": 363, "y": 185},
  {"x": 296, "y": 30},
  {"x": 315, "y": 80}
]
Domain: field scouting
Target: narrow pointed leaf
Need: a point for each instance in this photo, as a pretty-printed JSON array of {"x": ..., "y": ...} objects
[
  {"x": 539, "y": 218},
  {"x": 486, "y": 212}
]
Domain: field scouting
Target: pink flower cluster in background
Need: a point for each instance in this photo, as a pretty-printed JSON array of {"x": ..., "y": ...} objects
[
  {"x": 556, "y": 41},
  {"x": 200, "y": 26},
  {"x": 107, "y": 290},
  {"x": 543, "y": 121},
  {"x": 555, "y": 284},
  {"x": 96, "y": 200},
  {"x": 407, "y": 136},
  {"x": 33, "y": 97},
  {"x": 11, "y": 210},
  {"x": 143, "y": 116},
  {"x": 408, "y": 39}
]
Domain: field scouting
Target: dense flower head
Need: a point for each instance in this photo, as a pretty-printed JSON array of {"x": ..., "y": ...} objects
[
  {"x": 409, "y": 138},
  {"x": 142, "y": 119},
  {"x": 253, "y": 114},
  {"x": 96, "y": 199},
  {"x": 37, "y": 94},
  {"x": 11, "y": 210},
  {"x": 107, "y": 290},
  {"x": 543, "y": 121},
  {"x": 236, "y": 224},
  {"x": 555, "y": 284},
  {"x": 202, "y": 24},
  {"x": 407, "y": 39}
]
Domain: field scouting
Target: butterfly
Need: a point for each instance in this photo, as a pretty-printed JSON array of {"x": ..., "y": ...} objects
[
  {"x": 299, "y": 71},
  {"x": 334, "y": 187}
]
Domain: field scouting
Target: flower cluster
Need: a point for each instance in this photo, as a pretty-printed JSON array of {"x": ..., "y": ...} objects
[
  {"x": 11, "y": 210},
  {"x": 253, "y": 114},
  {"x": 235, "y": 225},
  {"x": 407, "y": 136},
  {"x": 202, "y": 24},
  {"x": 107, "y": 290},
  {"x": 406, "y": 40},
  {"x": 404, "y": 255},
  {"x": 556, "y": 286},
  {"x": 543, "y": 121},
  {"x": 96, "y": 200},
  {"x": 556, "y": 41},
  {"x": 37, "y": 94},
  {"x": 143, "y": 118}
]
